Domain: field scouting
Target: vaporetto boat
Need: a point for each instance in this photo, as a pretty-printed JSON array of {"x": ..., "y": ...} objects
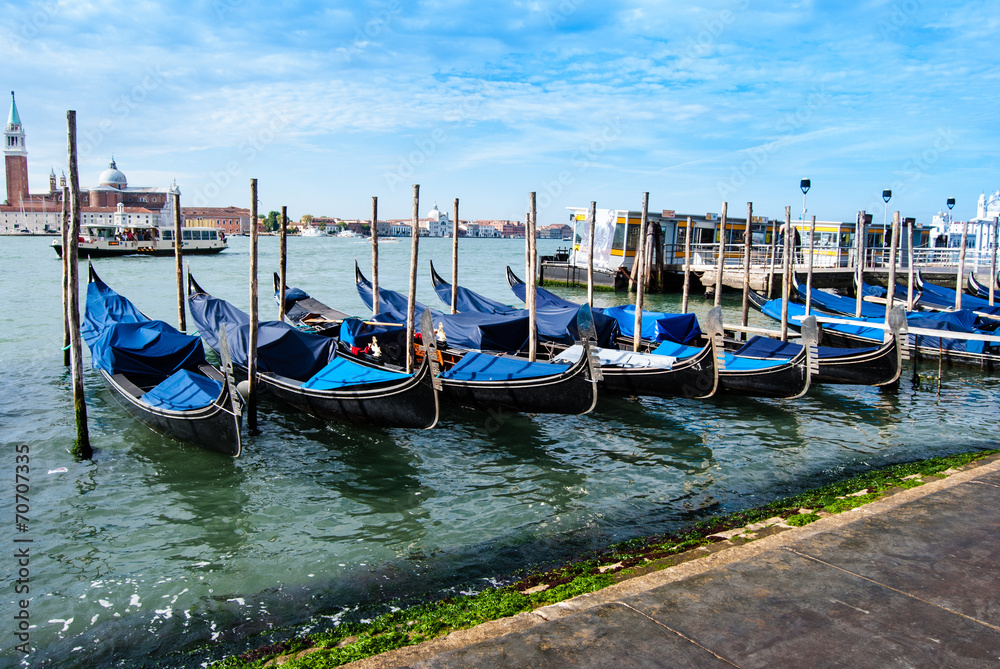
[{"x": 125, "y": 237}]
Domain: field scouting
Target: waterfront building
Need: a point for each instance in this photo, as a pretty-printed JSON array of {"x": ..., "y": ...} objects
[
  {"x": 231, "y": 220},
  {"x": 112, "y": 199}
]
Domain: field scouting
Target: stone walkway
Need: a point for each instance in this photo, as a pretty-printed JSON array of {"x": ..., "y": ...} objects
[{"x": 912, "y": 580}]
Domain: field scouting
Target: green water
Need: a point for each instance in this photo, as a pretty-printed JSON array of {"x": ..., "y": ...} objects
[{"x": 154, "y": 547}]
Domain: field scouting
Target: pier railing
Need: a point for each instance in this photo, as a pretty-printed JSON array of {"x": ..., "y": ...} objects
[{"x": 705, "y": 257}]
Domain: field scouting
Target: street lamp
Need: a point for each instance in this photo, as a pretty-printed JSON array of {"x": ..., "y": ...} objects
[
  {"x": 804, "y": 185},
  {"x": 886, "y": 196}
]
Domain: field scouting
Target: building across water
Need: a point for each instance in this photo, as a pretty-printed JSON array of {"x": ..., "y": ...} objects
[{"x": 111, "y": 201}]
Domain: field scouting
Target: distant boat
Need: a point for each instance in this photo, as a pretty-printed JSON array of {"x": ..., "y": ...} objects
[
  {"x": 109, "y": 240},
  {"x": 314, "y": 232},
  {"x": 348, "y": 233}
]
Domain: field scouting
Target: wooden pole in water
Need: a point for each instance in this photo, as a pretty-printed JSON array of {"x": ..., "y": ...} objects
[
  {"x": 909, "y": 278},
  {"x": 809, "y": 266},
  {"x": 685, "y": 291},
  {"x": 454, "y": 262},
  {"x": 641, "y": 261},
  {"x": 179, "y": 263},
  {"x": 412, "y": 295},
  {"x": 374, "y": 231},
  {"x": 720, "y": 265},
  {"x": 747, "y": 252},
  {"x": 65, "y": 274},
  {"x": 772, "y": 261},
  {"x": 532, "y": 281},
  {"x": 785, "y": 272},
  {"x": 959, "y": 287},
  {"x": 890, "y": 294},
  {"x": 254, "y": 316},
  {"x": 282, "y": 262},
  {"x": 81, "y": 447},
  {"x": 993, "y": 260},
  {"x": 859, "y": 259},
  {"x": 592, "y": 223}
]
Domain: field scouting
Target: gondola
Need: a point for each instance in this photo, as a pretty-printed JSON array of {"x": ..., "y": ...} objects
[
  {"x": 943, "y": 298},
  {"x": 693, "y": 373},
  {"x": 921, "y": 340},
  {"x": 494, "y": 382},
  {"x": 304, "y": 311},
  {"x": 979, "y": 290},
  {"x": 305, "y": 370},
  {"x": 160, "y": 375},
  {"x": 751, "y": 375},
  {"x": 876, "y": 363}
]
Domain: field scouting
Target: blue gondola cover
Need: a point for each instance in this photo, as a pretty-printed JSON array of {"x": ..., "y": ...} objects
[
  {"x": 124, "y": 341},
  {"x": 482, "y": 367},
  {"x": 344, "y": 373},
  {"x": 183, "y": 391}
]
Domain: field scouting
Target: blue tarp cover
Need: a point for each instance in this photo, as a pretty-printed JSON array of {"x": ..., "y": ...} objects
[
  {"x": 734, "y": 363},
  {"x": 183, "y": 391},
  {"x": 551, "y": 306},
  {"x": 467, "y": 300},
  {"x": 797, "y": 311},
  {"x": 134, "y": 344},
  {"x": 767, "y": 347},
  {"x": 482, "y": 367},
  {"x": 841, "y": 304},
  {"x": 490, "y": 332},
  {"x": 945, "y": 297},
  {"x": 281, "y": 348},
  {"x": 342, "y": 373},
  {"x": 656, "y": 325}
]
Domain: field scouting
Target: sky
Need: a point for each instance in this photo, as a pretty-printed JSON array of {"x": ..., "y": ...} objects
[{"x": 328, "y": 104}]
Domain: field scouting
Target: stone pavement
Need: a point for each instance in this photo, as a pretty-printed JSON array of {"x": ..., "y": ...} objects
[{"x": 912, "y": 580}]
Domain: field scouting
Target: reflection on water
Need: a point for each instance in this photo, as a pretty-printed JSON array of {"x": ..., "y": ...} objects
[{"x": 154, "y": 546}]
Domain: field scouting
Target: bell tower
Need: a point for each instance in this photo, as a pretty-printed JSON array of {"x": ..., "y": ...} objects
[{"x": 15, "y": 157}]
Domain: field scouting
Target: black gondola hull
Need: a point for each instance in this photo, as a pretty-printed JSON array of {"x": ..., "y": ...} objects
[
  {"x": 214, "y": 427},
  {"x": 410, "y": 404},
  {"x": 571, "y": 392},
  {"x": 786, "y": 381}
]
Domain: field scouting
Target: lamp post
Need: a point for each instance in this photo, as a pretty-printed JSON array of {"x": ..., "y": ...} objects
[
  {"x": 804, "y": 185},
  {"x": 886, "y": 196}
]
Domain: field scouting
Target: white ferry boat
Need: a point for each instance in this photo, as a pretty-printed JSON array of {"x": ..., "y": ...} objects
[{"x": 103, "y": 240}]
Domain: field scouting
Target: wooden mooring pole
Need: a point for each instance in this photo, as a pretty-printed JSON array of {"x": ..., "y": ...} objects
[
  {"x": 909, "y": 265},
  {"x": 454, "y": 262},
  {"x": 81, "y": 447},
  {"x": 282, "y": 262},
  {"x": 809, "y": 266},
  {"x": 254, "y": 317},
  {"x": 960, "y": 276},
  {"x": 772, "y": 261},
  {"x": 721, "y": 263},
  {"x": 747, "y": 253},
  {"x": 65, "y": 230},
  {"x": 686, "y": 289},
  {"x": 374, "y": 232},
  {"x": 993, "y": 261},
  {"x": 532, "y": 294},
  {"x": 861, "y": 239},
  {"x": 786, "y": 271},
  {"x": 890, "y": 294},
  {"x": 591, "y": 223},
  {"x": 179, "y": 263},
  {"x": 412, "y": 295},
  {"x": 641, "y": 262}
]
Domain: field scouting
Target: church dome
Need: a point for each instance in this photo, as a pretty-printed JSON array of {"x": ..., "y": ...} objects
[
  {"x": 113, "y": 177},
  {"x": 435, "y": 213}
]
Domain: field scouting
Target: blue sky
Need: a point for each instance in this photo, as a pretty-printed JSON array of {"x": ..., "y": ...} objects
[{"x": 328, "y": 104}]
